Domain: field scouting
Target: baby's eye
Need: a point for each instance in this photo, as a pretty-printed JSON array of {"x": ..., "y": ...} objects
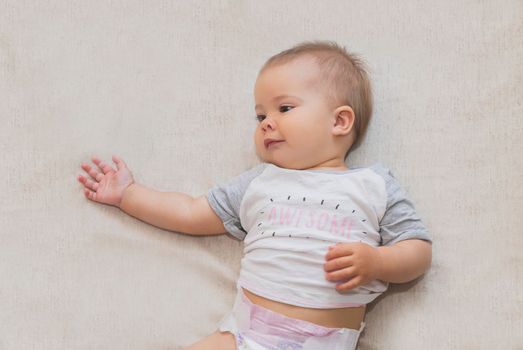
[
  {"x": 260, "y": 117},
  {"x": 284, "y": 109}
]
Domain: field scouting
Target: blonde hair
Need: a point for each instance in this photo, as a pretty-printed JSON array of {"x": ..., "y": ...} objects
[{"x": 346, "y": 75}]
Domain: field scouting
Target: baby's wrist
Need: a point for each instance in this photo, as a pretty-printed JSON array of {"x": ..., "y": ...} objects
[
  {"x": 126, "y": 192},
  {"x": 379, "y": 263}
]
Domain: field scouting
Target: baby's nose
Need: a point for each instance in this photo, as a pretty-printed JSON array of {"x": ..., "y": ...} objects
[{"x": 267, "y": 124}]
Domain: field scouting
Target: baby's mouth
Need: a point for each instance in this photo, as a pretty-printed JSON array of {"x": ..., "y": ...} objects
[{"x": 271, "y": 142}]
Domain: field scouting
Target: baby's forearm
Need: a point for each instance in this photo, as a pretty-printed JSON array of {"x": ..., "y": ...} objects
[
  {"x": 405, "y": 260},
  {"x": 167, "y": 210}
]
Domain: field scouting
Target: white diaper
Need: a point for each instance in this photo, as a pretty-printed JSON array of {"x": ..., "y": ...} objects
[{"x": 257, "y": 328}]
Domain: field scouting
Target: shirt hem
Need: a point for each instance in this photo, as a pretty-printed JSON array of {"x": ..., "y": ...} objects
[{"x": 305, "y": 302}]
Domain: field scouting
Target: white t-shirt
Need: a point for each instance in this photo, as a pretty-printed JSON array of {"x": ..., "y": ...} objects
[{"x": 288, "y": 218}]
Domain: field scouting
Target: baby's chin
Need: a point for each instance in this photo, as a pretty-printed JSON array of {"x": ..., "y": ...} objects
[
  {"x": 282, "y": 163},
  {"x": 270, "y": 160}
]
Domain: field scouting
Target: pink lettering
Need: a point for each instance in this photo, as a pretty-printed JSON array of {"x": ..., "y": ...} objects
[
  {"x": 285, "y": 218},
  {"x": 311, "y": 222},
  {"x": 272, "y": 215},
  {"x": 307, "y": 218},
  {"x": 345, "y": 227},
  {"x": 322, "y": 221},
  {"x": 334, "y": 225},
  {"x": 298, "y": 218}
]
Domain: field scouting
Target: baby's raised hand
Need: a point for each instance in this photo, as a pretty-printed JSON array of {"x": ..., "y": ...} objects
[
  {"x": 106, "y": 185},
  {"x": 352, "y": 264}
]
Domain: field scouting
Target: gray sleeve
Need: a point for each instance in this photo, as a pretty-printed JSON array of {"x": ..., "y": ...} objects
[
  {"x": 400, "y": 221},
  {"x": 225, "y": 200}
]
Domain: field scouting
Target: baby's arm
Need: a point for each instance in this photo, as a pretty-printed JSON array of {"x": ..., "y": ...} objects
[
  {"x": 360, "y": 263},
  {"x": 405, "y": 252},
  {"x": 404, "y": 261},
  {"x": 173, "y": 211},
  {"x": 168, "y": 210}
]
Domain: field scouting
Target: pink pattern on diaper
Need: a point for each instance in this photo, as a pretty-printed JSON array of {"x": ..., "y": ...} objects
[
  {"x": 258, "y": 328},
  {"x": 277, "y": 331}
]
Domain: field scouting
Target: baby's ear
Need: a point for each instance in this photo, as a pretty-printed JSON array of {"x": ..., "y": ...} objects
[{"x": 344, "y": 121}]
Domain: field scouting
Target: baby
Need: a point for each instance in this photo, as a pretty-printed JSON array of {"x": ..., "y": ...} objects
[{"x": 321, "y": 240}]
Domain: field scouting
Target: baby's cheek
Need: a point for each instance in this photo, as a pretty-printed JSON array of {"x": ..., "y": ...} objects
[{"x": 258, "y": 148}]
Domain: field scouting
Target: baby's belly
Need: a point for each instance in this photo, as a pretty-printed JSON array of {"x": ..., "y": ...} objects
[{"x": 350, "y": 317}]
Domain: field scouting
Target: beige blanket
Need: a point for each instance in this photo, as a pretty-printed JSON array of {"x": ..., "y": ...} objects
[{"x": 167, "y": 85}]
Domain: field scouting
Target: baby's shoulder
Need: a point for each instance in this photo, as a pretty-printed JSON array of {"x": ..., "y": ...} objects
[
  {"x": 376, "y": 167},
  {"x": 382, "y": 173}
]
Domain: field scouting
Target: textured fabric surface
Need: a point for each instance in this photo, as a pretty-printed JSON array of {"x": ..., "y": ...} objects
[{"x": 167, "y": 85}]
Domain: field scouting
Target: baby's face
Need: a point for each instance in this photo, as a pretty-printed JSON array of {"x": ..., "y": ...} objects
[{"x": 295, "y": 118}]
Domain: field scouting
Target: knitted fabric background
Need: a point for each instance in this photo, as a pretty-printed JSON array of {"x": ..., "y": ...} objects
[{"x": 167, "y": 85}]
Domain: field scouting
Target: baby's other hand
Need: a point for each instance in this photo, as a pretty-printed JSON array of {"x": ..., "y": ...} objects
[
  {"x": 106, "y": 185},
  {"x": 353, "y": 264}
]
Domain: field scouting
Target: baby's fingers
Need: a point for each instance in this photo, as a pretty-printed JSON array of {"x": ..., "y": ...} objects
[
  {"x": 341, "y": 275},
  {"x": 106, "y": 168},
  {"x": 94, "y": 174},
  {"x": 89, "y": 189},
  {"x": 90, "y": 194},
  {"x": 88, "y": 183},
  {"x": 339, "y": 250},
  {"x": 120, "y": 164},
  {"x": 351, "y": 284},
  {"x": 337, "y": 264}
]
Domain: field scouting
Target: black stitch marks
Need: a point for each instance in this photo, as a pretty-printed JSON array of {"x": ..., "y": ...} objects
[{"x": 297, "y": 216}]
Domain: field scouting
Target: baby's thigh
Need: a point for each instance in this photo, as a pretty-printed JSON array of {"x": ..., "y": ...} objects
[{"x": 216, "y": 341}]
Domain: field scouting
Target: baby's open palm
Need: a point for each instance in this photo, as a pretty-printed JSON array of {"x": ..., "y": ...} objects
[{"x": 106, "y": 185}]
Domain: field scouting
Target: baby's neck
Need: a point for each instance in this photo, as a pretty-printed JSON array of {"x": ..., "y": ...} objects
[{"x": 332, "y": 164}]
